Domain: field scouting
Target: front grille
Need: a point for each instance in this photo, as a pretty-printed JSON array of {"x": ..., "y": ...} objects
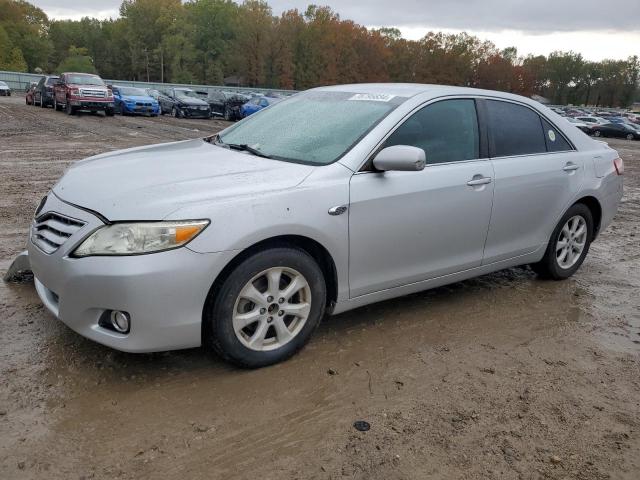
[
  {"x": 51, "y": 230},
  {"x": 90, "y": 92}
]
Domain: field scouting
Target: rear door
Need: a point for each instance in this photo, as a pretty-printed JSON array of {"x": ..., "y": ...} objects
[{"x": 537, "y": 174}]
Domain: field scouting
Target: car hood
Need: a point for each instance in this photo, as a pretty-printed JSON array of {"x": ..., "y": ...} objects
[
  {"x": 87, "y": 86},
  {"x": 4, "y": 87},
  {"x": 192, "y": 101},
  {"x": 148, "y": 183},
  {"x": 137, "y": 98}
]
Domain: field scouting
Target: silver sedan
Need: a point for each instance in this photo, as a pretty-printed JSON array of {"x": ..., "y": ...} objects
[{"x": 332, "y": 199}]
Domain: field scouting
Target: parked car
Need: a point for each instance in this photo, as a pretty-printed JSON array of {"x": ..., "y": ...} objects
[
  {"x": 592, "y": 120},
  {"x": 578, "y": 124},
  {"x": 256, "y": 104},
  {"x": 28, "y": 96},
  {"x": 82, "y": 91},
  {"x": 335, "y": 198},
  {"x": 43, "y": 95},
  {"x": 131, "y": 101},
  {"x": 183, "y": 102},
  {"x": 226, "y": 104},
  {"x": 5, "y": 90},
  {"x": 619, "y": 130}
]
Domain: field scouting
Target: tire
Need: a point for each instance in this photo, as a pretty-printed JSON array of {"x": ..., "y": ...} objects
[
  {"x": 176, "y": 113},
  {"x": 56, "y": 107},
  {"x": 225, "y": 305},
  {"x": 551, "y": 265},
  {"x": 109, "y": 112},
  {"x": 42, "y": 103},
  {"x": 629, "y": 136},
  {"x": 597, "y": 133},
  {"x": 69, "y": 110},
  {"x": 227, "y": 114}
]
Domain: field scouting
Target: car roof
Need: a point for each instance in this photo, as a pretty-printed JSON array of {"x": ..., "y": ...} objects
[
  {"x": 413, "y": 89},
  {"x": 81, "y": 73}
]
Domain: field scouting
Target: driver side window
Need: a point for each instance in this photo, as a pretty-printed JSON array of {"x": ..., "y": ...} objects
[{"x": 447, "y": 131}]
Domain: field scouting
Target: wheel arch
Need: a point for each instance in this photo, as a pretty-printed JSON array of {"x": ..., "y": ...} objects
[
  {"x": 312, "y": 247},
  {"x": 593, "y": 204}
]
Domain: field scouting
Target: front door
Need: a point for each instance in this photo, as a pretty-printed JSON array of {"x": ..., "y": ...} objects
[{"x": 405, "y": 227}]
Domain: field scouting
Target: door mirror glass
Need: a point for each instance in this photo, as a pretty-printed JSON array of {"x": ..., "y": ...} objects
[{"x": 402, "y": 158}]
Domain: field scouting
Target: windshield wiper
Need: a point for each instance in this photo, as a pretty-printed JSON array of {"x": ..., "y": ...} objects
[{"x": 240, "y": 146}]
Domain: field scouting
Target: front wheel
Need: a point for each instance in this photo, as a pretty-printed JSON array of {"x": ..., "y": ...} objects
[
  {"x": 266, "y": 309},
  {"x": 175, "y": 113},
  {"x": 69, "y": 108},
  {"x": 597, "y": 133},
  {"x": 569, "y": 244},
  {"x": 629, "y": 136}
]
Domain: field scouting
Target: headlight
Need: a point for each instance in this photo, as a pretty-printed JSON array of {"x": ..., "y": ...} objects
[{"x": 137, "y": 238}]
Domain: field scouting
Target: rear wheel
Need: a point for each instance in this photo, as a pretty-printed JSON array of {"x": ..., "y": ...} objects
[
  {"x": 267, "y": 308},
  {"x": 569, "y": 244},
  {"x": 227, "y": 114}
]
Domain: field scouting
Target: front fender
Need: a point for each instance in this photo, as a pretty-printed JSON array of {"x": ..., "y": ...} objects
[{"x": 239, "y": 223}]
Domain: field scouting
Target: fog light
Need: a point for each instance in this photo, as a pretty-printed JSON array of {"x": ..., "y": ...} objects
[{"x": 120, "y": 321}]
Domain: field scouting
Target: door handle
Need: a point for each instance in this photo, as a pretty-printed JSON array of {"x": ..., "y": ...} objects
[
  {"x": 479, "y": 181},
  {"x": 570, "y": 167}
]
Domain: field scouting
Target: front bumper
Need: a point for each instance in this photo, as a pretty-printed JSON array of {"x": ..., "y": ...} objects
[
  {"x": 141, "y": 109},
  {"x": 195, "y": 112},
  {"x": 92, "y": 105},
  {"x": 164, "y": 293}
]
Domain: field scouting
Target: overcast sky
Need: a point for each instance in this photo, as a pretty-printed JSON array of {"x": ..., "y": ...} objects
[{"x": 596, "y": 28}]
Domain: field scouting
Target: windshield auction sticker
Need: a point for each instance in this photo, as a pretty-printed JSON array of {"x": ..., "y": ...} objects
[{"x": 372, "y": 97}]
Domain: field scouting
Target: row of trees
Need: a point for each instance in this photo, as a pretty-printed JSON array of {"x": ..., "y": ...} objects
[{"x": 208, "y": 41}]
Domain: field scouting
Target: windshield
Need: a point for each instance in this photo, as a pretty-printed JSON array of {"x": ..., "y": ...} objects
[
  {"x": 315, "y": 127},
  {"x": 84, "y": 80},
  {"x": 132, "y": 91},
  {"x": 186, "y": 94}
]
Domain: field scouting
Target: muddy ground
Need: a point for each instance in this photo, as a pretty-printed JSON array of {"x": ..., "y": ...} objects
[{"x": 505, "y": 376}]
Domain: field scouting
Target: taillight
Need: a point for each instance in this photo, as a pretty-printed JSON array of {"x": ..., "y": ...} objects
[{"x": 619, "y": 164}]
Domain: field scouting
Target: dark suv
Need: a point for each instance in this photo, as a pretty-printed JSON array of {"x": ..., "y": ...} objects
[
  {"x": 226, "y": 104},
  {"x": 43, "y": 93}
]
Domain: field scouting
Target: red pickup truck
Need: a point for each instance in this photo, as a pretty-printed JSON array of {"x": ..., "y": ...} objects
[{"x": 82, "y": 91}]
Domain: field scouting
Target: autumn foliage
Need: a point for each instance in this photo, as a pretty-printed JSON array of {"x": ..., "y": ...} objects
[{"x": 218, "y": 41}]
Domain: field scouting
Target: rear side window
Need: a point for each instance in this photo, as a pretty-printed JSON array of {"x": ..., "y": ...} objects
[
  {"x": 515, "y": 130},
  {"x": 555, "y": 141},
  {"x": 447, "y": 131}
]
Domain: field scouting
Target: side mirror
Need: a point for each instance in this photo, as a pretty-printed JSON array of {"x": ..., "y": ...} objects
[{"x": 402, "y": 158}]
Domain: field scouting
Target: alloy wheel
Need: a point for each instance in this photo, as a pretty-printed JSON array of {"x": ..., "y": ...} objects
[
  {"x": 571, "y": 242},
  {"x": 271, "y": 309}
]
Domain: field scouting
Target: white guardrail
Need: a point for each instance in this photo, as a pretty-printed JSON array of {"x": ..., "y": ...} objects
[{"x": 19, "y": 82}]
